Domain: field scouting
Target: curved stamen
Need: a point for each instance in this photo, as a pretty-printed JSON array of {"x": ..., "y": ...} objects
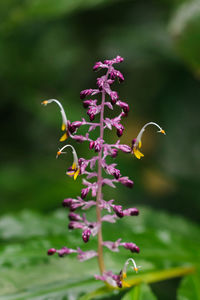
[
  {"x": 64, "y": 117},
  {"x": 139, "y": 137},
  {"x": 73, "y": 152},
  {"x": 126, "y": 265}
]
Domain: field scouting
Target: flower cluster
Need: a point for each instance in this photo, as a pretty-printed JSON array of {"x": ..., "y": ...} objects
[{"x": 92, "y": 168}]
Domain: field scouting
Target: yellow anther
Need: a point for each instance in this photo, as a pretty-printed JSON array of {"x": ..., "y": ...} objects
[
  {"x": 125, "y": 284},
  {"x": 124, "y": 275},
  {"x": 64, "y": 137},
  {"x": 74, "y": 166},
  {"x": 136, "y": 269},
  {"x": 137, "y": 153},
  {"x": 162, "y": 131},
  {"x": 76, "y": 174},
  {"x": 45, "y": 102},
  {"x": 58, "y": 153},
  {"x": 63, "y": 127}
]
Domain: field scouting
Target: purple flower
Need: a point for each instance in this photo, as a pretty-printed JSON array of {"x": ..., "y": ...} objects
[
  {"x": 82, "y": 256},
  {"x": 113, "y": 246},
  {"x": 124, "y": 106},
  {"x": 86, "y": 235},
  {"x": 131, "y": 212},
  {"x": 118, "y": 210},
  {"x": 101, "y": 81},
  {"x": 74, "y": 217},
  {"x": 116, "y": 60},
  {"x": 88, "y": 92},
  {"x": 51, "y": 251},
  {"x": 118, "y": 74},
  {"x": 132, "y": 247},
  {"x": 120, "y": 129},
  {"x": 110, "y": 169},
  {"x": 84, "y": 192},
  {"x": 99, "y": 65},
  {"x": 98, "y": 145},
  {"x": 79, "y": 138},
  {"x": 109, "y": 218},
  {"x": 67, "y": 202},
  {"x": 114, "y": 153},
  {"x": 110, "y": 278},
  {"x": 124, "y": 148},
  {"x": 65, "y": 251},
  {"x": 126, "y": 181},
  {"x": 90, "y": 102},
  {"x": 75, "y": 225},
  {"x": 114, "y": 97}
]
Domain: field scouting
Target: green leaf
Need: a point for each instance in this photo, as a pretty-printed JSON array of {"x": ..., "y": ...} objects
[
  {"x": 140, "y": 292},
  {"x": 26, "y": 272},
  {"x": 185, "y": 29},
  {"x": 19, "y": 13},
  {"x": 189, "y": 288}
]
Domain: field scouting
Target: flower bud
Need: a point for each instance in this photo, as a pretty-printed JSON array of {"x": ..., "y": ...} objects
[
  {"x": 126, "y": 181},
  {"x": 133, "y": 211},
  {"x": 71, "y": 128},
  {"x": 86, "y": 235},
  {"x": 114, "y": 97},
  {"x": 97, "y": 66},
  {"x": 119, "y": 132},
  {"x": 91, "y": 116},
  {"x": 64, "y": 251},
  {"x": 118, "y": 210},
  {"x": 85, "y": 93},
  {"x": 67, "y": 202},
  {"x": 84, "y": 192},
  {"x": 91, "y": 145},
  {"x": 74, "y": 217},
  {"x": 114, "y": 153},
  {"x": 75, "y": 225},
  {"x": 51, "y": 251},
  {"x": 124, "y": 148},
  {"x": 117, "y": 74},
  {"x": 120, "y": 129},
  {"x": 124, "y": 106},
  {"x": 132, "y": 247},
  {"x": 97, "y": 146},
  {"x": 100, "y": 82}
]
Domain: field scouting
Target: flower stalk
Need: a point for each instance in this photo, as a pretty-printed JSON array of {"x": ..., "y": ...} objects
[{"x": 92, "y": 169}]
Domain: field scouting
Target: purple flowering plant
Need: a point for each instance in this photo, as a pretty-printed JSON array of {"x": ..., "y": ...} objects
[{"x": 92, "y": 171}]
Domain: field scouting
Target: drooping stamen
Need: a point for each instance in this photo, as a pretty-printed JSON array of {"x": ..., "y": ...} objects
[
  {"x": 75, "y": 157},
  {"x": 75, "y": 170},
  {"x": 135, "y": 267},
  {"x": 139, "y": 137},
  {"x": 64, "y": 117}
]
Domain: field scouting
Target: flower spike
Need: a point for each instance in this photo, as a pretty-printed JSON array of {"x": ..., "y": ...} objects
[
  {"x": 74, "y": 170},
  {"x": 137, "y": 143},
  {"x": 64, "y": 117}
]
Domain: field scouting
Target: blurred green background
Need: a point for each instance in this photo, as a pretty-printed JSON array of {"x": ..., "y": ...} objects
[{"x": 47, "y": 50}]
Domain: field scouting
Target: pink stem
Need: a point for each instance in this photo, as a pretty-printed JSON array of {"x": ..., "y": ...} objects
[{"x": 99, "y": 192}]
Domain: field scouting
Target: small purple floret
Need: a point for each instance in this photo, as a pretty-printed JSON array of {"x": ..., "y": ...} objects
[
  {"x": 51, "y": 251},
  {"x": 118, "y": 210},
  {"x": 132, "y": 247},
  {"x": 86, "y": 235}
]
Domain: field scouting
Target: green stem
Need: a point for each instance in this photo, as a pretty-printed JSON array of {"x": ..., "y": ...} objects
[
  {"x": 161, "y": 275},
  {"x": 146, "y": 278}
]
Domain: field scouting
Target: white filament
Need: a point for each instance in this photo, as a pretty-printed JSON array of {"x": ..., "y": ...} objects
[
  {"x": 139, "y": 137},
  {"x": 64, "y": 117},
  {"x": 75, "y": 157}
]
